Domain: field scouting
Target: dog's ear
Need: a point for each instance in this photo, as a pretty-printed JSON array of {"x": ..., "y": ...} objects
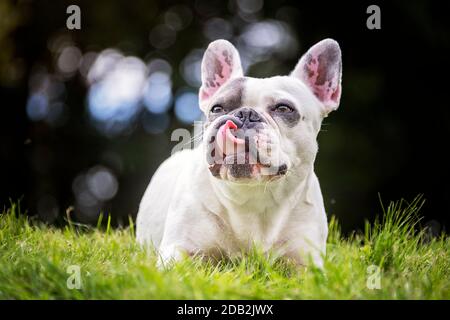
[
  {"x": 220, "y": 63},
  {"x": 321, "y": 69}
]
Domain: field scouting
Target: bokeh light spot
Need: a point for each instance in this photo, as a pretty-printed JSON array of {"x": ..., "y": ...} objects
[
  {"x": 69, "y": 59},
  {"x": 102, "y": 183},
  {"x": 37, "y": 107},
  {"x": 186, "y": 107},
  {"x": 157, "y": 94}
]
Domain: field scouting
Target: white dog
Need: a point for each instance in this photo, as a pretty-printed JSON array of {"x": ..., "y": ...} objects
[{"x": 237, "y": 190}]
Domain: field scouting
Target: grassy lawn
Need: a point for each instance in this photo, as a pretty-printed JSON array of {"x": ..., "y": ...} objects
[{"x": 34, "y": 260}]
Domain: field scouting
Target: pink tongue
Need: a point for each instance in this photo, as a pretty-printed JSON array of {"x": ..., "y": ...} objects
[{"x": 226, "y": 141}]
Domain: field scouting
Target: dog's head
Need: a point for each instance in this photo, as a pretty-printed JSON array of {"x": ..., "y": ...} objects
[{"x": 260, "y": 129}]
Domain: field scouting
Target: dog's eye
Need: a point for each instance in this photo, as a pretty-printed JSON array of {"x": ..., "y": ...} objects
[
  {"x": 283, "y": 108},
  {"x": 217, "y": 109}
]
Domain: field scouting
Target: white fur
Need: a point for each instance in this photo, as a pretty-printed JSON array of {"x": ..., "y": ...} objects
[{"x": 186, "y": 209}]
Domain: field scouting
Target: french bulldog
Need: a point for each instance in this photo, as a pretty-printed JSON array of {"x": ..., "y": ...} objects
[{"x": 237, "y": 190}]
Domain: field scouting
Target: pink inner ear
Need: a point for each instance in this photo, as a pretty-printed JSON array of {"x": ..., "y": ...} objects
[
  {"x": 322, "y": 76},
  {"x": 218, "y": 70}
]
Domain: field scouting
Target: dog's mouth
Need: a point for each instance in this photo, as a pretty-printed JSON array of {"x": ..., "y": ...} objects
[{"x": 237, "y": 153}]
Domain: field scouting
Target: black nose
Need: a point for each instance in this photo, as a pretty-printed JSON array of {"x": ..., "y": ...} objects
[{"x": 247, "y": 115}]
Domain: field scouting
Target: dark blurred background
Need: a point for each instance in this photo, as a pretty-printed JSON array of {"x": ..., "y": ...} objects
[{"x": 86, "y": 115}]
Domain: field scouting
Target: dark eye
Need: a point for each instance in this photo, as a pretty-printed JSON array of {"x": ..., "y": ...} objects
[
  {"x": 283, "y": 108},
  {"x": 217, "y": 109}
]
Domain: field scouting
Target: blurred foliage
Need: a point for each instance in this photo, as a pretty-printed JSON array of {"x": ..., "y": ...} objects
[
  {"x": 60, "y": 141},
  {"x": 11, "y": 67}
]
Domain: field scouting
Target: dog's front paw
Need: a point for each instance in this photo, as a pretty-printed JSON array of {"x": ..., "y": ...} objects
[{"x": 168, "y": 256}]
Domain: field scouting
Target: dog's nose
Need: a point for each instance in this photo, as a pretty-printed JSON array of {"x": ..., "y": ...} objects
[{"x": 248, "y": 115}]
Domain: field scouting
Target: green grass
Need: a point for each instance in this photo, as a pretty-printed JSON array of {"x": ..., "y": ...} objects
[{"x": 34, "y": 259}]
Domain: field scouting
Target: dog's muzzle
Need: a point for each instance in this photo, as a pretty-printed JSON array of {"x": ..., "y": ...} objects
[{"x": 238, "y": 143}]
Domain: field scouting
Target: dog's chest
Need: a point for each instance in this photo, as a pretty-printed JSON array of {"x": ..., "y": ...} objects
[{"x": 258, "y": 225}]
